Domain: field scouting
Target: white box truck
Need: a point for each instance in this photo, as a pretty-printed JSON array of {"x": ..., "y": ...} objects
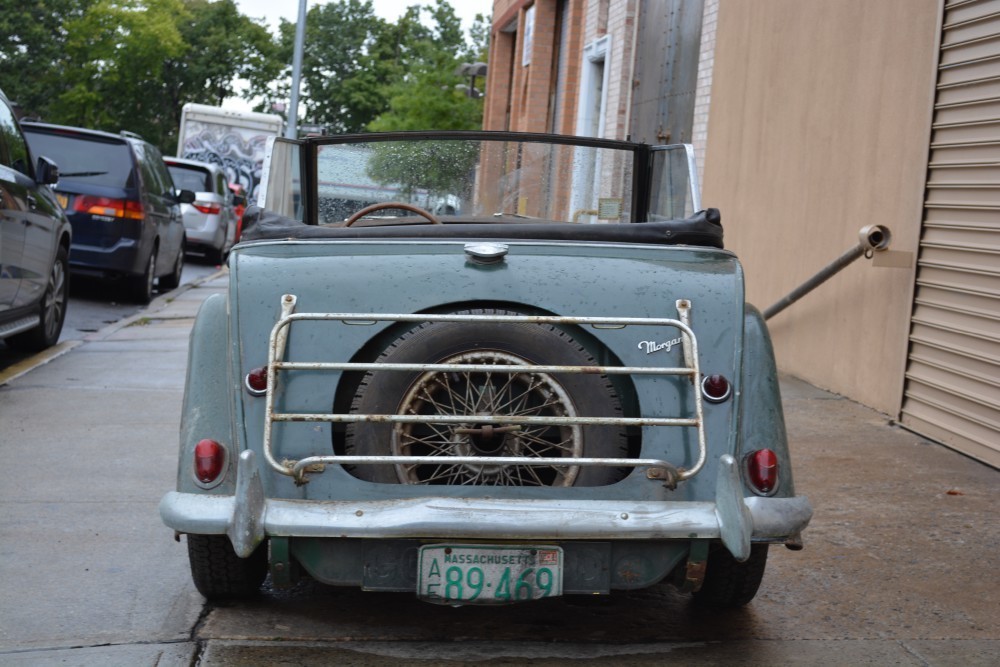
[{"x": 234, "y": 140}]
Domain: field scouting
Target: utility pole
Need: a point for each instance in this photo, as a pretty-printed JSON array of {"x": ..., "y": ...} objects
[{"x": 291, "y": 127}]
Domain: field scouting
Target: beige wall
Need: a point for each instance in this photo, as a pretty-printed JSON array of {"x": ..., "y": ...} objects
[{"x": 819, "y": 124}]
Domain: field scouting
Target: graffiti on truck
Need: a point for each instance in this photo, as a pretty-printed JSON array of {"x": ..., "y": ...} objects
[{"x": 239, "y": 151}]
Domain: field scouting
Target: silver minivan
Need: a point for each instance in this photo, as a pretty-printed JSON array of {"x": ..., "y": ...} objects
[{"x": 210, "y": 220}]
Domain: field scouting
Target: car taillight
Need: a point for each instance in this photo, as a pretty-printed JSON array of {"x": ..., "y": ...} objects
[
  {"x": 716, "y": 388},
  {"x": 211, "y": 208},
  {"x": 115, "y": 208},
  {"x": 209, "y": 460},
  {"x": 762, "y": 468},
  {"x": 256, "y": 381}
]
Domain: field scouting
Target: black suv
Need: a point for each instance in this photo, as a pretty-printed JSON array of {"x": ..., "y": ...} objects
[
  {"x": 121, "y": 202},
  {"x": 34, "y": 243}
]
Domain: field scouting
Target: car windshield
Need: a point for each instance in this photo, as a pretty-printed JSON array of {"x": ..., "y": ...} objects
[
  {"x": 190, "y": 178},
  {"x": 497, "y": 180},
  {"x": 477, "y": 177},
  {"x": 91, "y": 160}
]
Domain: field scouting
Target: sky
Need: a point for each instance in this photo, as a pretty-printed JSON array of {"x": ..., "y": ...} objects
[{"x": 273, "y": 10}]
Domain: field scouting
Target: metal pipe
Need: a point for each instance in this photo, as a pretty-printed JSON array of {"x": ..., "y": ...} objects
[{"x": 871, "y": 238}]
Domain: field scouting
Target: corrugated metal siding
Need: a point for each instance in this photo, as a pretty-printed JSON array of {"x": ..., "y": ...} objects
[{"x": 953, "y": 376}]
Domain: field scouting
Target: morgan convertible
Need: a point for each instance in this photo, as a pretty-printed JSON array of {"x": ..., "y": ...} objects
[{"x": 485, "y": 368}]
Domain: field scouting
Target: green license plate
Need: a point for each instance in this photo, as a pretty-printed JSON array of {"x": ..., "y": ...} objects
[{"x": 488, "y": 574}]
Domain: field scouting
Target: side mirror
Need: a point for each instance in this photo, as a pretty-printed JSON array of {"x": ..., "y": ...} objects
[
  {"x": 239, "y": 200},
  {"x": 185, "y": 197},
  {"x": 46, "y": 171}
]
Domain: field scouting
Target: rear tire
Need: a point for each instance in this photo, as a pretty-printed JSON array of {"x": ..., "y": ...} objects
[
  {"x": 729, "y": 583},
  {"x": 141, "y": 286},
  {"x": 173, "y": 280},
  {"x": 221, "y": 254},
  {"x": 217, "y": 571}
]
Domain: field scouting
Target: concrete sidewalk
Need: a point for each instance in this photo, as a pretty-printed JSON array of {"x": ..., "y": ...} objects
[{"x": 899, "y": 565}]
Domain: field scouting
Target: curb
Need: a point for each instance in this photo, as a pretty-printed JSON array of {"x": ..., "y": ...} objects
[
  {"x": 154, "y": 306},
  {"x": 25, "y": 366}
]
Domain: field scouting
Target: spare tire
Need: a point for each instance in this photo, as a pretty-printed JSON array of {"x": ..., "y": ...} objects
[{"x": 481, "y": 395}]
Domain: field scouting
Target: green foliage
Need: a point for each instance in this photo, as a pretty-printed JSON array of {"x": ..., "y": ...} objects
[
  {"x": 341, "y": 76},
  {"x": 132, "y": 64},
  {"x": 425, "y": 94},
  {"x": 113, "y": 66},
  {"x": 440, "y": 167},
  {"x": 428, "y": 100},
  {"x": 222, "y": 45},
  {"x": 31, "y": 46}
]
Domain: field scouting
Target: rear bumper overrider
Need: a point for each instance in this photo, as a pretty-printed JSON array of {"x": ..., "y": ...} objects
[{"x": 247, "y": 517}]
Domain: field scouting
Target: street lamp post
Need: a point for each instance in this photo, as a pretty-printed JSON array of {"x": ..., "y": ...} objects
[{"x": 471, "y": 70}]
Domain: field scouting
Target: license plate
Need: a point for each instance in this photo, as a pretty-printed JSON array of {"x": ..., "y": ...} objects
[
  {"x": 488, "y": 574},
  {"x": 63, "y": 200}
]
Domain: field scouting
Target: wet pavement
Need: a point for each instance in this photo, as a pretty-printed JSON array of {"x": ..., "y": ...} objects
[{"x": 898, "y": 567}]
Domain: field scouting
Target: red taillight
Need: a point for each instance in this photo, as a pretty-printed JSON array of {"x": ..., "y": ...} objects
[
  {"x": 211, "y": 208},
  {"x": 256, "y": 381},
  {"x": 716, "y": 388},
  {"x": 115, "y": 208},
  {"x": 762, "y": 467},
  {"x": 209, "y": 460}
]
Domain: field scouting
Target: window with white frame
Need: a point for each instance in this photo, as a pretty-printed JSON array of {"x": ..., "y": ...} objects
[
  {"x": 591, "y": 110},
  {"x": 529, "y": 35}
]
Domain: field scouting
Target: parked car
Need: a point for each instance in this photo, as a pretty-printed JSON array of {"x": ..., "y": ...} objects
[
  {"x": 121, "y": 202},
  {"x": 556, "y": 388},
  {"x": 34, "y": 243},
  {"x": 210, "y": 220}
]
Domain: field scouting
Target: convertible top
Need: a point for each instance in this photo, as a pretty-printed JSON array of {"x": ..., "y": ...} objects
[{"x": 704, "y": 228}]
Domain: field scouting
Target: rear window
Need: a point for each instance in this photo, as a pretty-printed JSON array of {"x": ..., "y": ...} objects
[
  {"x": 190, "y": 178},
  {"x": 90, "y": 160}
]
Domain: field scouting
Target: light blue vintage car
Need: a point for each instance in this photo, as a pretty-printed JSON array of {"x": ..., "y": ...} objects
[{"x": 485, "y": 368}]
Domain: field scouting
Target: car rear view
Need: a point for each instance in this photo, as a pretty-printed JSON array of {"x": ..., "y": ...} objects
[
  {"x": 120, "y": 203},
  {"x": 483, "y": 368},
  {"x": 208, "y": 220}
]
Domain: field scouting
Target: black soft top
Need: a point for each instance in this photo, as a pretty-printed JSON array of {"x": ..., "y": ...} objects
[{"x": 704, "y": 228}]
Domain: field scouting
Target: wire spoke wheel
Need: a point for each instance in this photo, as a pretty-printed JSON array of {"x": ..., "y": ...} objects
[
  {"x": 486, "y": 402},
  {"x": 484, "y": 396}
]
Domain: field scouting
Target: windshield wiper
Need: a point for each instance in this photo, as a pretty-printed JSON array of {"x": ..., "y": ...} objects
[{"x": 79, "y": 174}]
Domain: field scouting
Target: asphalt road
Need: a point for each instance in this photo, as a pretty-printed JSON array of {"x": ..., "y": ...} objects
[{"x": 898, "y": 567}]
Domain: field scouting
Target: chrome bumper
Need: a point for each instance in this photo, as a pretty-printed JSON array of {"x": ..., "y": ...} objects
[{"x": 248, "y": 517}]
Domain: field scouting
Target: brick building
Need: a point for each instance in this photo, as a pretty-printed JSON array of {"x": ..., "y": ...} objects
[{"x": 561, "y": 66}]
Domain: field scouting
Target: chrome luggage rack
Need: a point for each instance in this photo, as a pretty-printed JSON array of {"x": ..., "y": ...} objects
[{"x": 657, "y": 469}]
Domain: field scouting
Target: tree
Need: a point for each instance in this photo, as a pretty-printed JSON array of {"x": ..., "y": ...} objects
[
  {"x": 221, "y": 45},
  {"x": 132, "y": 64},
  {"x": 426, "y": 95},
  {"x": 440, "y": 167},
  {"x": 341, "y": 77},
  {"x": 32, "y": 40},
  {"x": 113, "y": 64}
]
